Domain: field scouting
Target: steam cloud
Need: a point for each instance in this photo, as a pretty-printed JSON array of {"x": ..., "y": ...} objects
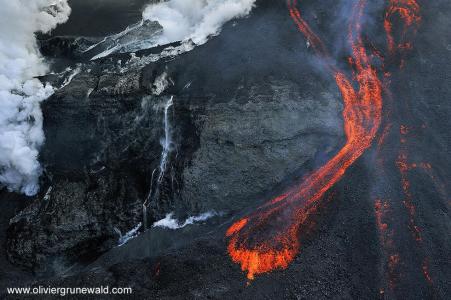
[
  {"x": 171, "y": 223},
  {"x": 194, "y": 20},
  {"x": 21, "y": 133},
  {"x": 191, "y": 22}
]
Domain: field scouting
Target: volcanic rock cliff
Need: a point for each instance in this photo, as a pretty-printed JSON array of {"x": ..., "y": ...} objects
[{"x": 242, "y": 113}]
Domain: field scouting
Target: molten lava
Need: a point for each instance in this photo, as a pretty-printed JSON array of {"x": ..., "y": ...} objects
[
  {"x": 404, "y": 167},
  {"x": 267, "y": 239},
  {"x": 382, "y": 211},
  {"x": 409, "y": 12}
]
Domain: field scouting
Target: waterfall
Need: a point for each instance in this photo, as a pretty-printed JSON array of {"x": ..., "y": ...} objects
[{"x": 166, "y": 144}]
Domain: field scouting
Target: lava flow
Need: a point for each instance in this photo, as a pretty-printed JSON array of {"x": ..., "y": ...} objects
[
  {"x": 268, "y": 238},
  {"x": 409, "y": 12}
]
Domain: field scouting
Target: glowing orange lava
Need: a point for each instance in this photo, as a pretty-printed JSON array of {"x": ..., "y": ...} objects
[
  {"x": 404, "y": 166},
  {"x": 409, "y": 12},
  {"x": 382, "y": 210},
  {"x": 268, "y": 238}
]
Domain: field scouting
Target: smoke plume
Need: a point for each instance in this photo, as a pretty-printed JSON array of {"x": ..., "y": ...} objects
[{"x": 21, "y": 133}]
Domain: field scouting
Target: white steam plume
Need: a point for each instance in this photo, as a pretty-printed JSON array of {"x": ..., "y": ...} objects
[
  {"x": 171, "y": 223},
  {"x": 191, "y": 22},
  {"x": 21, "y": 133},
  {"x": 194, "y": 20}
]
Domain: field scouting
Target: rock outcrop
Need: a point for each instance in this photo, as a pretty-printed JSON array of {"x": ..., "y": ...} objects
[{"x": 244, "y": 120}]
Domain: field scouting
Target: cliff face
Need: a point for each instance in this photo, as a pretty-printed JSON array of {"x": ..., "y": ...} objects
[{"x": 243, "y": 120}]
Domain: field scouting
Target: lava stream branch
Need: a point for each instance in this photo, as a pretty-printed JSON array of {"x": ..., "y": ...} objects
[
  {"x": 404, "y": 167},
  {"x": 408, "y": 12}
]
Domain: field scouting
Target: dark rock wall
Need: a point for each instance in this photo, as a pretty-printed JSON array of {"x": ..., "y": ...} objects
[{"x": 245, "y": 119}]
